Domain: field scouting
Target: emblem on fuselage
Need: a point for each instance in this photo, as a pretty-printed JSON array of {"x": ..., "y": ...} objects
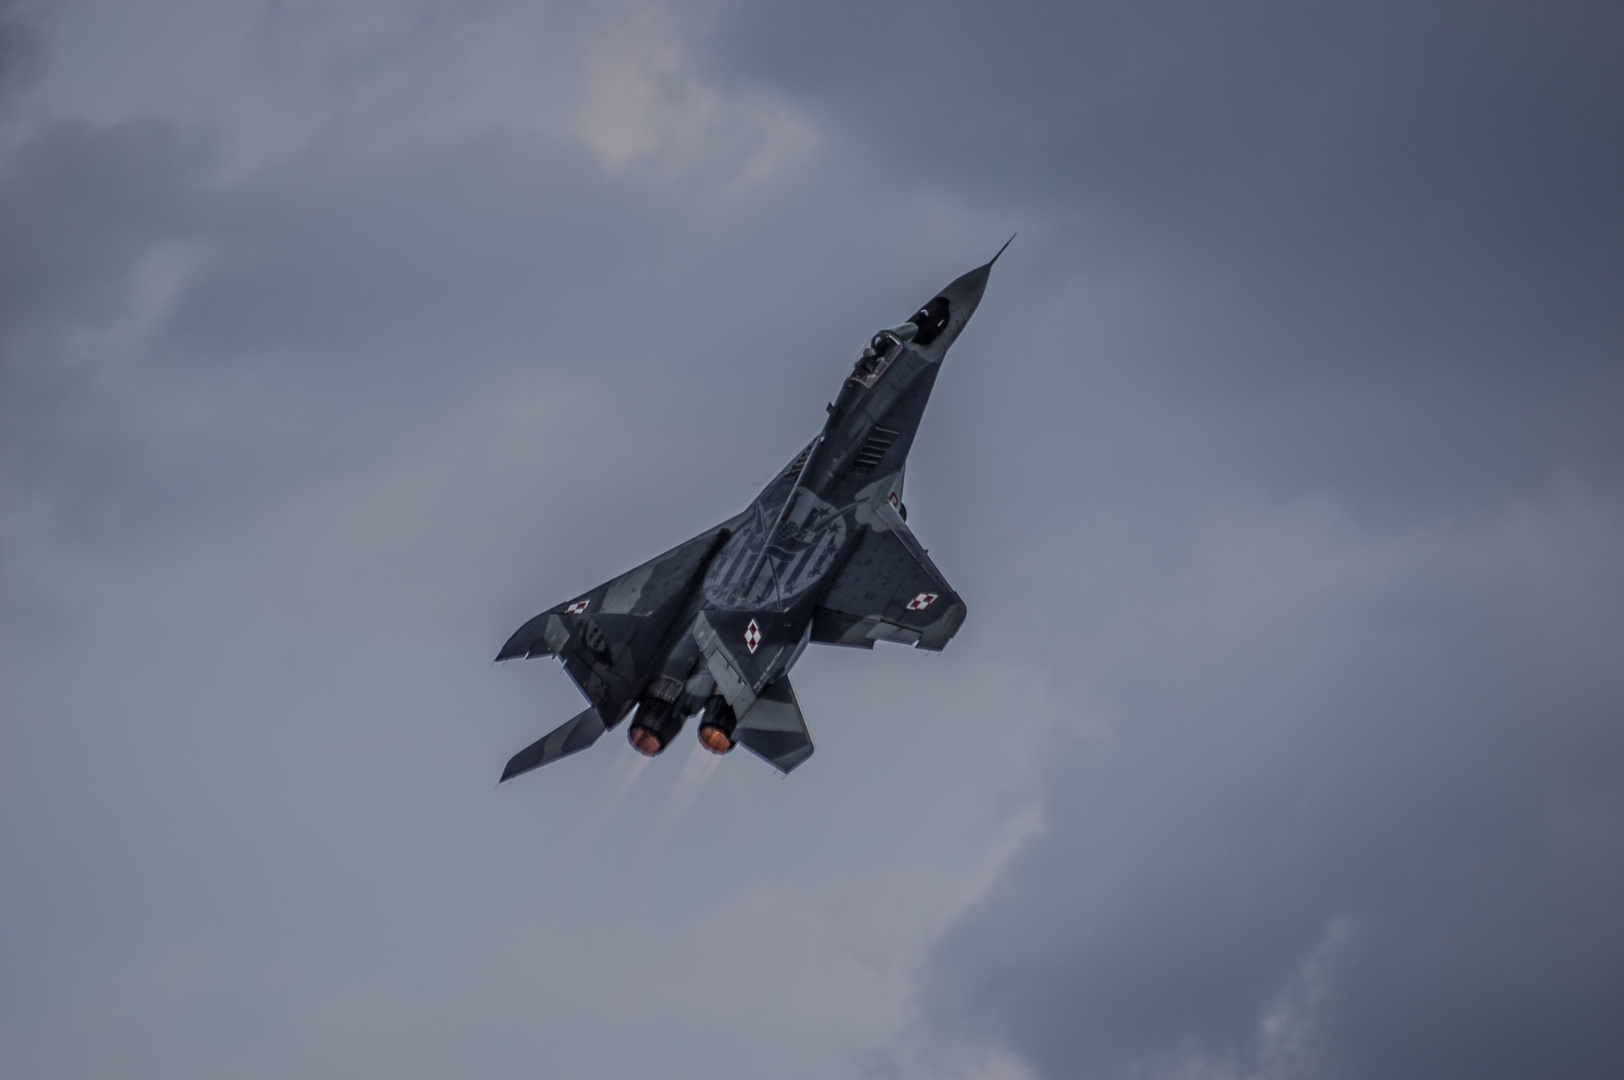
[{"x": 750, "y": 574}]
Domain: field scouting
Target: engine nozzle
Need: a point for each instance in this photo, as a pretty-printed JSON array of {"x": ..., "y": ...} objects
[
  {"x": 657, "y": 721},
  {"x": 716, "y": 726}
]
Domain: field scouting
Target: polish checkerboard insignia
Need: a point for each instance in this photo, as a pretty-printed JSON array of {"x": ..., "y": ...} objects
[
  {"x": 895, "y": 500},
  {"x": 577, "y": 608},
  {"x": 752, "y": 636},
  {"x": 922, "y": 601}
]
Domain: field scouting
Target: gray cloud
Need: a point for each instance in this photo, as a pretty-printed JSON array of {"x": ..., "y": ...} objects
[
  {"x": 22, "y": 50},
  {"x": 1280, "y": 470},
  {"x": 1354, "y": 258},
  {"x": 1399, "y": 219},
  {"x": 89, "y": 215},
  {"x": 1398, "y": 753}
]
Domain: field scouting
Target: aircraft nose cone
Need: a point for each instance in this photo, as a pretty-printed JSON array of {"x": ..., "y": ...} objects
[
  {"x": 965, "y": 292},
  {"x": 963, "y": 296}
]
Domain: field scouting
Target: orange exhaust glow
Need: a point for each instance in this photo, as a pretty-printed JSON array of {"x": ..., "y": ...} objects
[
  {"x": 714, "y": 739},
  {"x": 644, "y": 741}
]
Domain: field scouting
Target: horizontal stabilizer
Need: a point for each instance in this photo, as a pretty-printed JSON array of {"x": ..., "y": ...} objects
[
  {"x": 774, "y": 729},
  {"x": 577, "y": 733}
]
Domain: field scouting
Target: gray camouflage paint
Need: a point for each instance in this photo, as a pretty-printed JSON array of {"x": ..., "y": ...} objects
[{"x": 822, "y": 555}]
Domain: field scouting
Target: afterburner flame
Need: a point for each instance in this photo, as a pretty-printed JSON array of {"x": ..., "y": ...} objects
[
  {"x": 644, "y": 741},
  {"x": 714, "y": 739}
]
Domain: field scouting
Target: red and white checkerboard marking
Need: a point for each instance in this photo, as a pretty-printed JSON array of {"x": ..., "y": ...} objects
[
  {"x": 577, "y": 608},
  {"x": 752, "y": 636},
  {"x": 895, "y": 500},
  {"x": 922, "y": 601}
]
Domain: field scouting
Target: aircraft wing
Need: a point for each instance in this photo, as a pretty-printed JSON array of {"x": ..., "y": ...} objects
[
  {"x": 609, "y": 638},
  {"x": 889, "y": 590}
]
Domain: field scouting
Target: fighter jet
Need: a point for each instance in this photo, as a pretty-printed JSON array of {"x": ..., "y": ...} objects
[{"x": 823, "y": 556}]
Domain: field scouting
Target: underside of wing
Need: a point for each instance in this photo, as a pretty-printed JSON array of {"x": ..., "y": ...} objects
[
  {"x": 888, "y": 590},
  {"x": 609, "y": 637}
]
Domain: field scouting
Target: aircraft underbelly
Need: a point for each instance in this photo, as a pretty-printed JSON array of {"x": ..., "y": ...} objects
[{"x": 771, "y": 565}]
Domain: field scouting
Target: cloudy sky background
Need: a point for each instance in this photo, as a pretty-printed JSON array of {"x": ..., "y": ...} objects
[{"x": 1282, "y": 470}]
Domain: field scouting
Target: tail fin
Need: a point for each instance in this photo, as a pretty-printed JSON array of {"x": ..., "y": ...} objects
[{"x": 774, "y": 729}]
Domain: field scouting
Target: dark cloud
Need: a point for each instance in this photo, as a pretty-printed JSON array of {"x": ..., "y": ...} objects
[
  {"x": 1399, "y": 219},
  {"x": 1402, "y": 776},
  {"x": 82, "y": 205},
  {"x": 1363, "y": 257},
  {"x": 86, "y": 213},
  {"x": 22, "y": 50},
  {"x": 1280, "y": 468}
]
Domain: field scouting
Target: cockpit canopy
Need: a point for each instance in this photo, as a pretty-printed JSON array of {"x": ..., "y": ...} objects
[
  {"x": 925, "y": 327},
  {"x": 877, "y": 355}
]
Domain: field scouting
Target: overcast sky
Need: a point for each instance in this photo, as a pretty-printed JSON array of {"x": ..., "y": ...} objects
[{"x": 1281, "y": 469}]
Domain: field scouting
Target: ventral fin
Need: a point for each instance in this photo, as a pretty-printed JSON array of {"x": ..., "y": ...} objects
[{"x": 774, "y": 729}]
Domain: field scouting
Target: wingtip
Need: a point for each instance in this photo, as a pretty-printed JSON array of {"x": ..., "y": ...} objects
[{"x": 515, "y": 767}]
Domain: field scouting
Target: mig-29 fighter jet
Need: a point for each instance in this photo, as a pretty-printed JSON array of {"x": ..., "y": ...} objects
[{"x": 823, "y": 555}]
